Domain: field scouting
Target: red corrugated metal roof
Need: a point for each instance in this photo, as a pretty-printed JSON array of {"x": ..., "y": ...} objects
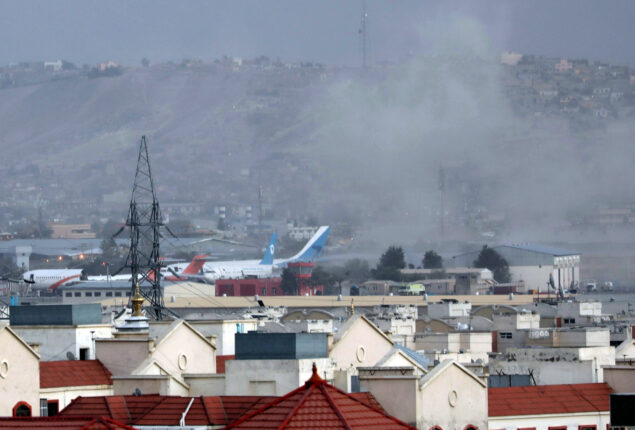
[
  {"x": 73, "y": 373},
  {"x": 220, "y": 362},
  {"x": 548, "y": 399},
  {"x": 63, "y": 423},
  {"x": 318, "y": 405}
]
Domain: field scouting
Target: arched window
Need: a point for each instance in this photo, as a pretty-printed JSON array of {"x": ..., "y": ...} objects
[
  {"x": 22, "y": 409},
  {"x": 436, "y": 428},
  {"x": 470, "y": 427}
]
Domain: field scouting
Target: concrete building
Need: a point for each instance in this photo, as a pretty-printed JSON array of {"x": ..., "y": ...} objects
[
  {"x": 463, "y": 346},
  {"x": 71, "y": 231},
  {"x": 549, "y": 407},
  {"x": 358, "y": 343},
  {"x": 61, "y": 332},
  {"x": 449, "y": 396},
  {"x": 572, "y": 365},
  {"x": 95, "y": 291},
  {"x": 63, "y": 381},
  {"x": 453, "y": 280},
  {"x": 533, "y": 265},
  {"x": 318, "y": 404},
  {"x": 19, "y": 376},
  {"x": 448, "y": 309},
  {"x": 224, "y": 332},
  {"x": 576, "y": 313},
  {"x": 275, "y": 363},
  {"x": 157, "y": 357}
]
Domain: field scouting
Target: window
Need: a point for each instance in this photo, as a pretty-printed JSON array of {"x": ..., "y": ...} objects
[
  {"x": 558, "y": 428},
  {"x": 53, "y": 407},
  {"x": 526, "y": 428},
  {"x": 68, "y": 294},
  {"x": 78, "y": 294},
  {"x": 97, "y": 293},
  {"x": 263, "y": 292},
  {"x": 127, "y": 293},
  {"x": 22, "y": 409},
  {"x": 117, "y": 293},
  {"x": 108, "y": 293},
  {"x": 506, "y": 335},
  {"x": 569, "y": 320},
  {"x": 89, "y": 294},
  {"x": 83, "y": 353},
  {"x": 470, "y": 427},
  {"x": 589, "y": 427},
  {"x": 436, "y": 428},
  {"x": 274, "y": 291},
  {"x": 44, "y": 412}
]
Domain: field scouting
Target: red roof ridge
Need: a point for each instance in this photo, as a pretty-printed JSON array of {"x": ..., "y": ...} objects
[
  {"x": 334, "y": 406},
  {"x": 300, "y": 403},
  {"x": 315, "y": 381}
]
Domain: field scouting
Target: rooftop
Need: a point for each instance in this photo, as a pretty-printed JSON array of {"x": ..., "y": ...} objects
[
  {"x": 318, "y": 405},
  {"x": 548, "y": 399},
  {"x": 158, "y": 410},
  {"x": 199, "y": 301},
  {"x": 62, "y": 423},
  {"x": 73, "y": 373},
  {"x": 543, "y": 249}
]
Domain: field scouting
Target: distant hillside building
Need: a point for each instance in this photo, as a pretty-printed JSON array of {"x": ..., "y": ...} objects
[{"x": 72, "y": 231}]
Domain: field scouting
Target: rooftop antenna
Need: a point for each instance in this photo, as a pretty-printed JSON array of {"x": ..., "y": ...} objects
[
  {"x": 362, "y": 33},
  {"x": 144, "y": 220}
]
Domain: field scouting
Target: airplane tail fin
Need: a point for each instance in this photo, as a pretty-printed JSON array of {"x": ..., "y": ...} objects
[
  {"x": 270, "y": 252},
  {"x": 196, "y": 265},
  {"x": 313, "y": 247}
]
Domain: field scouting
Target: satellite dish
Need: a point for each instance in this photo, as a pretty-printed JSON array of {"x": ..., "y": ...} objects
[{"x": 70, "y": 356}]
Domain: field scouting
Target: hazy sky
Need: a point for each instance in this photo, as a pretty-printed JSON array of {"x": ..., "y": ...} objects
[{"x": 88, "y": 31}]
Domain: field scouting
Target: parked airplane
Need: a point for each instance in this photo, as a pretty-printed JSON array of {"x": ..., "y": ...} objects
[
  {"x": 52, "y": 278},
  {"x": 213, "y": 270},
  {"x": 264, "y": 268}
]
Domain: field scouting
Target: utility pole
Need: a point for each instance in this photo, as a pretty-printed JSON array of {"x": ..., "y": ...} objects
[
  {"x": 259, "y": 211},
  {"x": 442, "y": 198}
]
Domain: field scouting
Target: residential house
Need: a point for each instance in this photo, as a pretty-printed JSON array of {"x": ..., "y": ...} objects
[
  {"x": 318, "y": 404},
  {"x": 549, "y": 407},
  {"x": 159, "y": 357},
  {"x": 448, "y": 397},
  {"x": 63, "y": 381},
  {"x": 19, "y": 376}
]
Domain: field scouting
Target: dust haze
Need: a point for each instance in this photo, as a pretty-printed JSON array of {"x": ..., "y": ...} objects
[{"x": 423, "y": 145}]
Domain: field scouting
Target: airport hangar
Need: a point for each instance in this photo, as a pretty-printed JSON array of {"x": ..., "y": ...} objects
[{"x": 532, "y": 264}]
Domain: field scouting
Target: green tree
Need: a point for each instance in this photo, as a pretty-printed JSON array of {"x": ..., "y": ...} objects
[
  {"x": 495, "y": 262},
  {"x": 432, "y": 260},
  {"x": 390, "y": 264},
  {"x": 393, "y": 257},
  {"x": 289, "y": 283}
]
